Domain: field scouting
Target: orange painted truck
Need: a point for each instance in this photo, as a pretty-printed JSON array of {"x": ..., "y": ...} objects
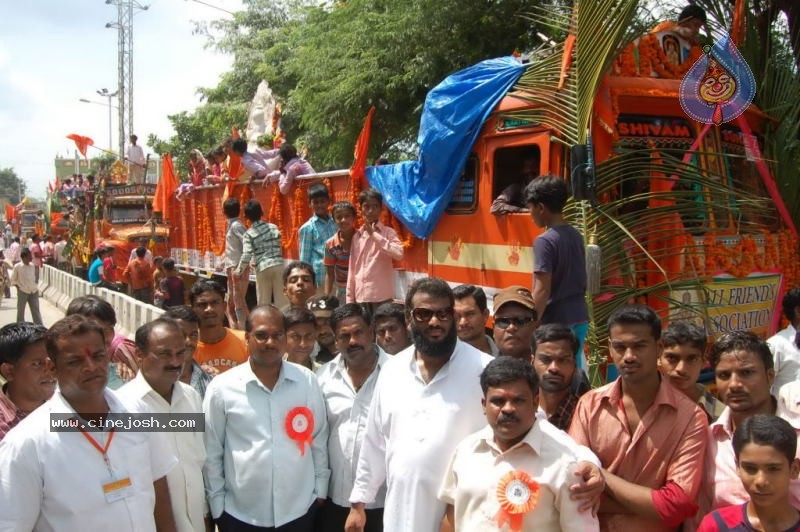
[{"x": 703, "y": 240}]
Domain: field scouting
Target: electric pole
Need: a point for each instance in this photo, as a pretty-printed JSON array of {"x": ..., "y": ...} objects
[{"x": 124, "y": 25}]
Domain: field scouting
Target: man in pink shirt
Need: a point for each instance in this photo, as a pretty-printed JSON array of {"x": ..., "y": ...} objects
[
  {"x": 374, "y": 247},
  {"x": 650, "y": 438},
  {"x": 743, "y": 366}
]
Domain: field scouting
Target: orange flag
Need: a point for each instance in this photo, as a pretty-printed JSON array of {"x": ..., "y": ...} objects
[
  {"x": 358, "y": 170},
  {"x": 11, "y": 212},
  {"x": 81, "y": 142},
  {"x": 234, "y": 168},
  {"x": 165, "y": 187}
]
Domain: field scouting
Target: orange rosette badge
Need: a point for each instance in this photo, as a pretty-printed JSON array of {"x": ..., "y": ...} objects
[
  {"x": 299, "y": 426},
  {"x": 517, "y": 494}
]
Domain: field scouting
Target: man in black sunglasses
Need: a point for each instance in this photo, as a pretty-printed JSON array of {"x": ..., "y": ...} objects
[{"x": 514, "y": 321}]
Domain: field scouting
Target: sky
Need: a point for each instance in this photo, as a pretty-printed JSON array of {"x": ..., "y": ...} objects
[{"x": 55, "y": 52}]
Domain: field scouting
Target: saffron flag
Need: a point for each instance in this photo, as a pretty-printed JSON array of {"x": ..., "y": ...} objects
[
  {"x": 165, "y": 187},
  {"x": 11, "y": 213},
  {"x": 234, "y": 168},
  {"x": 358, "y": 170},
  {"x": 81, "y": 142}
]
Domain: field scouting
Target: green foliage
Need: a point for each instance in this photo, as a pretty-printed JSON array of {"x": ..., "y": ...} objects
[
  {"x": 10, "y": 185},
  {"x": 202, "y": 129},
  {"x": 328, "y": 63},
  {"x": 103, "y": 162}
]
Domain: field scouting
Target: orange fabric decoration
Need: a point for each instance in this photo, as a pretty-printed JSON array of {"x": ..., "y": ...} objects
[
  {"x": 566, "y": 60},
  {"x": 165, "y": 187},
  {"x": 234, "y": 168},
  {"x": 358, "y": 170},
  {"x": 81, "y": 142},
  {"x": 739, "y": 20},
  {"x": 517, "y": 494},
  {"x": 11, "y": 213}
]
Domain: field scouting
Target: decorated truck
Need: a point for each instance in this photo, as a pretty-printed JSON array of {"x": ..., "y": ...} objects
[{"x": 686, "y": 215}]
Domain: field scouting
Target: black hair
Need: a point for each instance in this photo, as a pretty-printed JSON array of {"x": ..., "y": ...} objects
[
  {"x": 344, "y": 205},
  {"x": 183, "y": 313},
  {"x": 299, "y": 316},
  {"x": 93, "y": 307},
  {"x": 370, "y": 193},
  {"x": 231, "y": 208},
  {"x": 636, "y": 314},
  {"x": 464, "y": 291},
  {"x": 25, "y": 252},
  {"x": 505, "y": 369},
  {"x": 554, "y": 332},
  {"x": 692, "y": 11},
  {"x": 764, "y": 429},
  {"x": 287, "y": 152},
  {"x": 271, "y": 309},
  {"x": 206, "y": 285},
  {"x": 684, "y": 333},
  {"x": 142, "y": 336},
  {"x": 158, "y": 258},
  {"x": 790, "y": 302},
  {"x": 169, "y": 264},
  {"x": 299, "y": 264},
  {"x": 71, "y": 325},
  {"x": 741, "y": 341},
  {"x": 548, "y": 190},
  {"x": 318, "y": 190},
  {"x": 390, "y": 310},
  {"x": 16, "y": 337},
  {"x": 381, "y": 161},
  {"x": 253, "y": 210},
  {"x": 141, "y": 251},
  {"x": 239, "y": 146},
  {"x": 433, "y": 286},
  {"x": 350, "y": 310}
]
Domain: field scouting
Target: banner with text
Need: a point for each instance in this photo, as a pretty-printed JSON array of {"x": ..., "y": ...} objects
[{"x": 734, "y": 304}]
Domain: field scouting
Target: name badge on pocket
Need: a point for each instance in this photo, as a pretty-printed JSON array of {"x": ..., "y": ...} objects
[{"x": 118, "y": 487}]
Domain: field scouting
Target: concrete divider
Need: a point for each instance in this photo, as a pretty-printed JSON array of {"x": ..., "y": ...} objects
[{"x": 59, "y": 288}]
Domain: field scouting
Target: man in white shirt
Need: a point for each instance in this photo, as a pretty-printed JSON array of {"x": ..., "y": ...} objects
[
  {"x": 58, "y": 253},
  {"x": 266, "y": 437},
  {"x": 426, "y": 400},
  {"x": 518, "y": 468},
  {"x": 136, "y": 161},
  {"x": 783, "y": 347},
  {"x": 348, "y": 382},
  {"x": 160, "y": 348},
  {"x": 77, "y": 480},
  {"x": 23, "y": 276}
]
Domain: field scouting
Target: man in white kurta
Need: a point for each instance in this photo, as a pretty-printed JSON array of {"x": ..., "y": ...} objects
[
  {"x": 785, "y": 350},
  {"x": 159, "y": 359},
  {"x": 417, "y": 419}
]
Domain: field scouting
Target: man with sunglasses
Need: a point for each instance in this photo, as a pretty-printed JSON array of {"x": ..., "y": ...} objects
[
  {"x": 426, "y": 400},
  {"x": 514, "y": 321}
]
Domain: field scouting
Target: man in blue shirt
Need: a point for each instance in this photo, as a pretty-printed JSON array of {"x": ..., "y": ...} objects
[
  {"x": 266, "y": 437},
  {"x": 317, "y": 230}
]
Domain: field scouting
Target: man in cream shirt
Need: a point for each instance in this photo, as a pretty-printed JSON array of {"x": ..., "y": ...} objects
[
  {"x": 507, "y": 461},
  {"x": 160, "y": 350}
]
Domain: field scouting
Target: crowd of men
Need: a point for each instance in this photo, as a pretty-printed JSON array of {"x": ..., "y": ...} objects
[{"x": 363, "y": 413}]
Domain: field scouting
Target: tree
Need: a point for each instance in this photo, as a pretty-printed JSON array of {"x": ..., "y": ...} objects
[
  {"x": 11, "y": 185},
  {"x": 329, "y": 63}
]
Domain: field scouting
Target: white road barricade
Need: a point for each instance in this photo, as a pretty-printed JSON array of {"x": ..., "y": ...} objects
[{"x": 59, "y": 288}]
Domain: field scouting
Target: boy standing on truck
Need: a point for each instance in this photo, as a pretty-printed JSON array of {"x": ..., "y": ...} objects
[
  {"x": 559, "y": 271},
  {"x": 316, "y": 231},
  {"x": 370, "y": 277},
  {"x": 337, "y": 250}
]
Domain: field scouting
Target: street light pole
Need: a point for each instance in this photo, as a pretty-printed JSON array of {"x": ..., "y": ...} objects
[{"x": 109, "y": 95}]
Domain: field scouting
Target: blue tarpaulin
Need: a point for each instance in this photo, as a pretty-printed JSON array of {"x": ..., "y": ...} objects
[{"x": 417, "y": 192}]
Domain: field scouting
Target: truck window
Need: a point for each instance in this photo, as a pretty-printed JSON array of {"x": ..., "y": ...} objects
[
  {"x": 514, "y": 167},
  {"x": 465, "y": 197}
]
